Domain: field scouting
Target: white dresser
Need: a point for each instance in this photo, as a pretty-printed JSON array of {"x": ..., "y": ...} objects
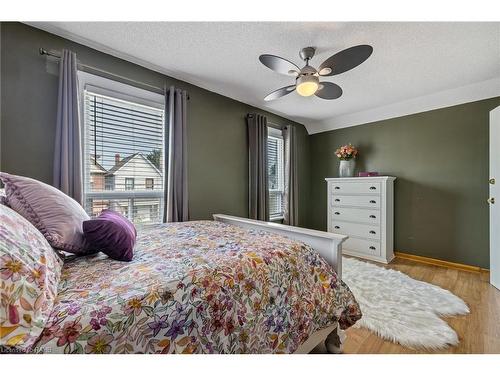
[{"x": 363, "y": 209}]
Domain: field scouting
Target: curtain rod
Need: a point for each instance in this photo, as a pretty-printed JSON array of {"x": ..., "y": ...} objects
[
  {"x": 106, "y": 74},
  {"x": 273, "y": 124}
]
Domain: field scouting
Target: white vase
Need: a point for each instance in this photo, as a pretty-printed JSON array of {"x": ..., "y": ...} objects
[{"x": 346, "y": 168}]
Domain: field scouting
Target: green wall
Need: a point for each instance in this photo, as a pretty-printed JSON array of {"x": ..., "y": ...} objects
[
  {"x": 217, "y": 138},
  {"x": 440, "y": 159}
]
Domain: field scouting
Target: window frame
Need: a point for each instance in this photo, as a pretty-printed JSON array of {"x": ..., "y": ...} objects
[
  {"x": 125, "y": 92},
  {"x": 278, "y": 133},
  {"x": 129, "y": 187},
  {"x": 151, "y": 186}
]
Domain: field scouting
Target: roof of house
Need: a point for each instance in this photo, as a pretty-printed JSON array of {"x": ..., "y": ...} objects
[
  {"x": 124, "y": 161},
  {"x": 96, "y": 167}
]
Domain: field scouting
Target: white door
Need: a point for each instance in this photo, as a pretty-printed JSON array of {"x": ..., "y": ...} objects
[{"x": 494, "y": 198}]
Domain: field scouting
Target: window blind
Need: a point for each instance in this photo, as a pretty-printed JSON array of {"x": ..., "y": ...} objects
[
  {"x": 275, "y": 167},
  {"x": 124, "y": 161}
]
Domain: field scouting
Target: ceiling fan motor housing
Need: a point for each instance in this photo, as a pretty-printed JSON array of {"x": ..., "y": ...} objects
[
  {"x": 307, "y": 53},
  {"x": 308, "y": 70}
]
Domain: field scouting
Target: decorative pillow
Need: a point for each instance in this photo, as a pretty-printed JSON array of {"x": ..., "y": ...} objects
[
  {"x": 30, "y": 271},
  {"x": 52, "y": 212},
  {"x": 112, "y": 234}
]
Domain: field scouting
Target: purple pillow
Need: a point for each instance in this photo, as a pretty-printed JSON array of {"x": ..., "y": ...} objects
[
  {"x": 112, "y": 234},
  {"x": 52, "y": 212}
]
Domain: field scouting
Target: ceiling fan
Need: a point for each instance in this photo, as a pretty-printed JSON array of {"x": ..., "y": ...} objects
[{"x": 307, "y": 79}]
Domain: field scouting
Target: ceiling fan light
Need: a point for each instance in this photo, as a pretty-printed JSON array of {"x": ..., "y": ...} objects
[{"x": 307, "y": 85}]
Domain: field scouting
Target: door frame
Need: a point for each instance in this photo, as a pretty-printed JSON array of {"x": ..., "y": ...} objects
[{"x": 494, "y": 193}]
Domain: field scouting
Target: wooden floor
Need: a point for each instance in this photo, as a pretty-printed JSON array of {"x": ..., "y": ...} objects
[{"x": 479, "y": 332}]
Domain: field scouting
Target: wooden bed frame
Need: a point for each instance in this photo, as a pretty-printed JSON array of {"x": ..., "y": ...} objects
[{"x": 328, "y": 245}]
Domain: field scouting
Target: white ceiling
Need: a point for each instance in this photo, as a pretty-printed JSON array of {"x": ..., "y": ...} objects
[{"x": 413, "y": 66}]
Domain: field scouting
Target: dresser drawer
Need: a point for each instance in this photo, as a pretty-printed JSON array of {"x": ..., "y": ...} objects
[
  {"x": 369, "y": 201},
  {"x": 354, "y": 229},
  {"x": 358, "y": 215},
  {"x": 361, "y": 246},
  {"x": 341, "y": 188}
]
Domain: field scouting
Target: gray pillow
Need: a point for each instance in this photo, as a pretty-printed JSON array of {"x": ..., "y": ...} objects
[
  {"x": 52, "y": 212},
  {"x": 3, "y": 198}
]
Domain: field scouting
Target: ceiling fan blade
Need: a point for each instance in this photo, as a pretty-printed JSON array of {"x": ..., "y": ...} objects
[
  {"x": 279, "y": 64},
  {"x": 279, "y": 93},
  {"x": 328, "y": 90},
  {"x": 345, "y": 60}
]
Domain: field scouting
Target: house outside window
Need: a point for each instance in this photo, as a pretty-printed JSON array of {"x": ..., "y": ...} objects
[
  {"x": 124, "y": 165},
  {"x": 276, "y": 172}
]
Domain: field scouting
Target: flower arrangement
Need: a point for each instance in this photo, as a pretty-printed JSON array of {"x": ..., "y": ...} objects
[{"x": 347, "y": 152}]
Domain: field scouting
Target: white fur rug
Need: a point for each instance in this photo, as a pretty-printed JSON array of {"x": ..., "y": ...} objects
[{"x": 401, "y": 309}]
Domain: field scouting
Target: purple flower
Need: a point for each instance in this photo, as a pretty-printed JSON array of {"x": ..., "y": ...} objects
[
  {"x": 206, "y": 329},
  {"x": 279, "y": 326},
  {"x": 95, "y": 324},
  {"x": 209, "y": 347},
  {"x": 179, "y": 307},
  {"x": 158, "y": 325},
  {"x": 105, "y": 310},
  {"x": 176, "y": 329},
  {"x": 269, "y": 322},
  {"x": 73, "y": 308},
  {"x": 241, "y": 319}
]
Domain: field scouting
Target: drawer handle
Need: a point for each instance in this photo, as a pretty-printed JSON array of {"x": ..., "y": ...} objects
[
  {"x": 373, "y": 188},
  {"x": 337, "y": 188},
  {"x": 373, "y": 217},
  {"x": 372, "y": 232},
  {"x": 372, "y": 201},
  {"x": 337, "y": 200},
  {"x": 337, "y": 227},
  {"x": 337, "y": 213},
  {"x": 372, "y": 247}
]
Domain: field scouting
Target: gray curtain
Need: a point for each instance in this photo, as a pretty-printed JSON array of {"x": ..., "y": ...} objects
[
  {"x": 176, "y": 184},
  {"x": 258, "y": 191},
  {"x": 68, "y": 143},
  {"x": 291, "y": 201}
]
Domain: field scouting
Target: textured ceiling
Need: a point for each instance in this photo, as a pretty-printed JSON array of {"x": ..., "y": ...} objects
[{"x": 410, "y": 60}]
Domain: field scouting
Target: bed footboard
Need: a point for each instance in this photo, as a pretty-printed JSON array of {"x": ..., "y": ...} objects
[{"x": 328, "y": 245}]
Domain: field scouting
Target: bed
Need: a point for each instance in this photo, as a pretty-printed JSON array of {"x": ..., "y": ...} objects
[{"x": 231, "y": 285}]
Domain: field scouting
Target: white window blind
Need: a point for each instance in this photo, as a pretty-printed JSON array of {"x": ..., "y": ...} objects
[
  {"x": 276, "y": 173},
  {"x": 124, "y": 142}
]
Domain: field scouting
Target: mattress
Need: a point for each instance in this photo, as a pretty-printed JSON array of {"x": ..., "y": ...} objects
[{"x": 198, "y": 287}]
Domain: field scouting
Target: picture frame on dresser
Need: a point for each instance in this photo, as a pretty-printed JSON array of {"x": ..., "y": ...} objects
[{"x": 362, "y": 208}]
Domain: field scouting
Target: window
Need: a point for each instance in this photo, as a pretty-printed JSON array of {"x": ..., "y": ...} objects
[
  {"x": 129, "y": 183},
  {"x": 109, "y": 183},
  {"x": 276, "y": 172},
  {"x": 123, "y": 147}
]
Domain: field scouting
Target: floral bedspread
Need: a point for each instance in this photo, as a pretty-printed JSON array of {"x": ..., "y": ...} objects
[{"x": 197, "y": 287}]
